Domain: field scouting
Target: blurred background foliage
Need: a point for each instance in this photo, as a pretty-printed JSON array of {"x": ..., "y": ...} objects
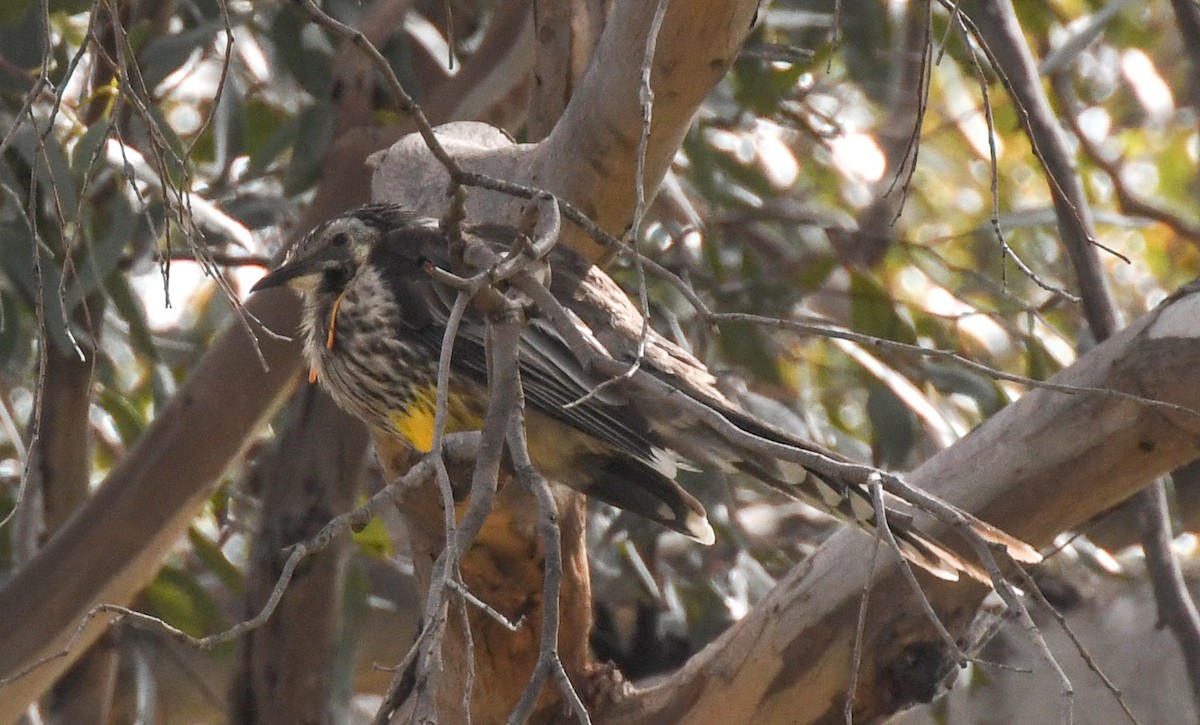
[{"x": 136, "y": 209}]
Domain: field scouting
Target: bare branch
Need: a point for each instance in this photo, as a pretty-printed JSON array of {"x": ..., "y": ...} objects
[
  {"x": 462, "y": 446},
  {"x": 1030, "y": 586},
  {"x": 1175, "y": 605},
  {"x": 1007, "y": 472},
  {"x": 548, "y": 661},
  {"x": 1004, "y": 36}
]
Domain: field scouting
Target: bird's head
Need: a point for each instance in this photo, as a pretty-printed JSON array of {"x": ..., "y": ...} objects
[{"x": 329, "y": 256}]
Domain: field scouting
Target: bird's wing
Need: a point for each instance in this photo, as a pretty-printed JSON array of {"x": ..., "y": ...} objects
[
  {"x": 558, "y": 385},
  {"x": 554, "y": 382},
  {"x": 613, "y": 320},
  {"x": 606, "y": 449}
]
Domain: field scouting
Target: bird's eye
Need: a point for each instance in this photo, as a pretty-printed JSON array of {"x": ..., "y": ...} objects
[{"x": 339, "y": 239}]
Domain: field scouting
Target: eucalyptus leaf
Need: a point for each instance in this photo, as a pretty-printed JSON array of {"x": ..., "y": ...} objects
[
  {"x": 873, "y": 312},
  {"x": 99, "y": 259},
  {"x": 13, "y": 12},
  {"x": 164, "y": 54},
  {"x": 282, "y": 138},
  {"x": 373, "y": 539},
  {"x": 51, "y": 169},
  {"x": 23, "y": 40},
  {"x": 894, "y": 427},
  {"x": 1039, "y": 363},
  {"x": 214, "y": 559},
  {"x": 17, "y": 264},
  {"x": 316, "y": 129},
  {"x": 986, "y": 393},
  {"x": 128, "y": 419},
  {"x": 129, "y": 308},
  {"x": 304, "y": 51},
  {"x": 16, "y": 342},
  {"x": 747, "y": 345},
  {"x": 177, "y": 598},
  {"x": 88, "y": 148}
]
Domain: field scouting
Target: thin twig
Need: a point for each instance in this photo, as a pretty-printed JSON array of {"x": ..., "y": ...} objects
[
  {"x": 827, "y": 328},
  {"x": 881, "y": 513},
  {"x": 1007, "y": 251},
  {"x": 671, "y": 398},
  {"x": 830, "y": 330},
  {"x": 1031, "y": 588},
  {"x": 548, "y": 661},
  {"x": 907, "y": 166},
  {"x": 445, "y": 567},
  {"x": 646, "y": 99},
  {"x": 503, "y": 336},
  {"x": 1174, "y": 601},
  {"x": 220, "y": 259},
  {"x": 459, "y": 447},
  {"x": 860, "y": 628},
  {"x": 1128, "y": 201},
  {"x": 966, "y": 528},
  {"x": 1176, "y": 608},
  {"x": 462, "y": 590}
]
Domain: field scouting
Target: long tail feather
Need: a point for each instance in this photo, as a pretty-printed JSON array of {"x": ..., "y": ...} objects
[
  {"x": 1017, "y": 549},
  {"x": 923, "y": 551},
  {"x": 854, "y": 504}
]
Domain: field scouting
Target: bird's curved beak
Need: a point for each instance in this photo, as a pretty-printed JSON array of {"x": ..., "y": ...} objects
[
  {"x": 302, "y": 274},
  {"x": 287, "y": 273}
]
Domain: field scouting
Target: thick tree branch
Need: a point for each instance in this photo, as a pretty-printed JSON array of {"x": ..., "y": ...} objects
[
  {"x": 594, "y": 144},
  {"x": 1176, "y": 611},
  {"x": 789, "y": 660},
  {"x": 998, "y": 28},
  {"x": 116, "y": 541},
  {"x": 1187, "y": 16},
  {"x": 1002, "y": 33},
  {"x": 285, "y": 670},
  {"x": 589, "y": 159},
  {"x": 114, "y": 544},
  {"x": 62, "y": 476},
  {"x": 565, "y": 37}
]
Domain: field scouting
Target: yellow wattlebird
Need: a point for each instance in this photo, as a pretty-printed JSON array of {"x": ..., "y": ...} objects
[{"x": 374, "y": 320}]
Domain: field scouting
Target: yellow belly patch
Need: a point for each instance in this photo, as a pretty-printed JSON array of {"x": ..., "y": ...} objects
[{"x": 416, "y": 423}]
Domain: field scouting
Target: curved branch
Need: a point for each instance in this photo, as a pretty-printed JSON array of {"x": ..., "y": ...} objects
[
  {"x": 789, "y": 660},
  {"x": 590, "y": 158},
  {"x": 594, "y": 144},
  {"x": 115, "y": 542}
]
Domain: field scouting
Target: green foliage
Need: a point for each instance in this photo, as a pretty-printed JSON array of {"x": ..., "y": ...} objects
[
  {"x": 785, "y": 170},
  {"x": 178, "y": 599},
  {"x": 210, "y": 555},
  {"x": 873, "y": 312},
  {"x": 895, "y": 427}
]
